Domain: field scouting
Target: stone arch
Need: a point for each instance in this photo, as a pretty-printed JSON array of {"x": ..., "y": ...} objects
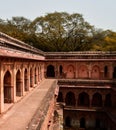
[
  {"x": 25, "y": 80},
  {"x": 97, "y": 100},
  {"x": 83, "y": 99},
  {"x": 82, "y": 122},
  {"x": 50, "y": 71},
  {"x": 95, "y": 74},
  {"x": 108, "y": 101},
  {"x": 68, "y": 121},
  {"x": 83, "y": 72},
  {"x": 7, "y": 88},
  {"x": 60, "y": 97},
  {"x": 70, "y": 71},
  {"x": 70, "y": 99},
  {"x": 18, "y": 83}
]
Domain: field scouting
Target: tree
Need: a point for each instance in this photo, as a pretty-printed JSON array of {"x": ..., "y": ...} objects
[{"x": 63, "y": 31}]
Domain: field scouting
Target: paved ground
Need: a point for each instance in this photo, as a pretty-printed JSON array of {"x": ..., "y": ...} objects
[{"x": 18, "y": 117}]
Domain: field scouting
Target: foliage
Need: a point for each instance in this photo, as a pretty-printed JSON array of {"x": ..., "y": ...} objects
[{"x": 60, "y": 31}]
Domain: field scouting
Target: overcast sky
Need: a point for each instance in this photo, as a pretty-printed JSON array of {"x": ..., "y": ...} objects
[{"x": 100, "y": 13}]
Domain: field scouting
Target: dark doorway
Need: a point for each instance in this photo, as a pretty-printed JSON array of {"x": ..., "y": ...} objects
[
  {"x": 18, "y": 83},
  {"x": 114, "y": 73},
  {"x": 68, "y": 121},
  {"x": 7, "y": 87},
  {"x": 82, "y": 122},
  {"x": 70, "y": 99},
  {"x": 97, "y": 125},
  {"x": 97, "y": 100},
  {"x": 50, "y": 71},
  {"x": 83, "y": 99},
  {"x": 105, "y": 71},
  {"x": 60, "y": 97},
  {"x": 61, "y": 70},
  {"x": 108, "y": 101}
]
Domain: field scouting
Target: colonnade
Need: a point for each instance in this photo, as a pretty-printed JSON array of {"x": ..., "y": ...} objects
[{"x": 18, "y": 78}]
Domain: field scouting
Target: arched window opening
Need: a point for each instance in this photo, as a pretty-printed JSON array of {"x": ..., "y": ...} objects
[
  {"x": 105, "y": 71},
  {"x": 68, "y": 121},
  {"x": 95, "y": 72},
  {"x": 70, "y": 71},
  {"x": 114, "y": 73},
  {"x": 60, "y": 97},
  {"x": 83, "y": 99},
  {"x": 7, "y": 87},
  {"x": 25, "y": 80},
  {"x": 82, "y": 122},
  {"x": 70, "y": 99},
  {"x": 18, "y": 83},
  {"x": 108, "y": 101},
  {"x": 50, "y": 71},
  {"x": 97, "y": 100},
  {"x": 83, "y": 72}
]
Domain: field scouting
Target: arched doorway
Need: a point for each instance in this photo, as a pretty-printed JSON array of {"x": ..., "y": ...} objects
[
  {"x": 50, "y": 71},
  {"x": 82, "y": 122},
  {"x": 70, "y": 99},
  {"x": 25, "y": 80},
  {"x": 83, "y": 99},
  {"x": 18, "y": 83},
  {"x": 108, "y": 101},
  {"x": 7, "y": 88},
  {"x": 97, "y": 100}
]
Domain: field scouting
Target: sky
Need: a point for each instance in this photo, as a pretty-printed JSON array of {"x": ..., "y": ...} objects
[{"x": 100, "y": 13}]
